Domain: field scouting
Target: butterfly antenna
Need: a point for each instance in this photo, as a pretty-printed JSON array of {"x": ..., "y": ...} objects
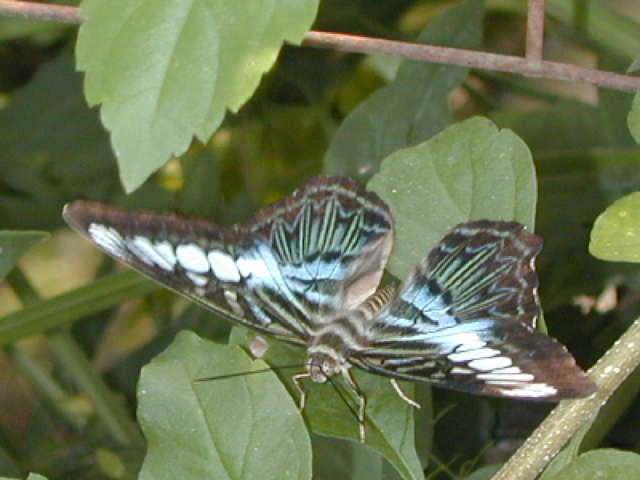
[{"x": 242, "y": 374}]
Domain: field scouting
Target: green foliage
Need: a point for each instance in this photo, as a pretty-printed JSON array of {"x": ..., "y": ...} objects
[
  {"x": 15, "y": 244},
  {"x": 186, "y": 422},
  {"x": 439, "y": 143},
  {"x": 604, "y": 464},
  {"x": 413, "y": 107},
  {"x": 160, "y": 86},
  {"x": 616, "y": 232},
  {"x": 474, "y": 172}
]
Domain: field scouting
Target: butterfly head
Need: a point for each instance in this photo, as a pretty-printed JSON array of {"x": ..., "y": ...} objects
[{"x": 323, "y": 363}]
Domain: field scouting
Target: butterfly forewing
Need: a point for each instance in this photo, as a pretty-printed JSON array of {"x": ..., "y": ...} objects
[
  {"x": 464, "y": 319},
  {"x": 296, "y": 263}
]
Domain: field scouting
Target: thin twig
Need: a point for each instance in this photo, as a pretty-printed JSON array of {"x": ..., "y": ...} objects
[
  {"x": 418, "y": 51},
  {"x": 563, "y": 422},
  {"x": 468, "y": 58},
  {"x": 535, "y": 30}
]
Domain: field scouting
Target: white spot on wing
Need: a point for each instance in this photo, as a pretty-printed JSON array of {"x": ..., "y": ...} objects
[
  {"x": 473, "y": 354},
  {"x": 165, "y": 250},
  {"x": 506, "y": 377},
  {"x": 192, "y": 258},
  {"x": 468, "y": 341},
  {"x": 534, "y": 390},
  {"x": 197, "y": 279},
  {"x": 461, "y": 371},
  {"x": 146, "y": 251},
  {"x": 486, "y": 364},
  {"x": 252, "y": 266},
  {"x": 513, "y": 369},
  {"x": 223, "y": 266},
  {"x": 107, "y": 238}
]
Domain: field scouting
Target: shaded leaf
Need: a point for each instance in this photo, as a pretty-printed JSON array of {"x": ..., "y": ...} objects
[
  {"x": 388, "y": 421},
  {"x": 603, "y": 464},
  {"x": 568, "y": 454},
  {"x": 574, "y": 188},
  {"x": 616, "y": 233},
  {"x": 242, "y": 427},
  {"x": 15, "y": 244},
  {"x": 414, "y": 107},
  {"x": 569, "y": 126},
  {"x": 164, "y": 73},
  {"x": 470, "y": 171},
  {"x": 53, "y": 149}
]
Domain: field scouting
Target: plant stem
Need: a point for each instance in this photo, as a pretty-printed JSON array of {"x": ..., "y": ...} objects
[{"x": 563, "y": 422}]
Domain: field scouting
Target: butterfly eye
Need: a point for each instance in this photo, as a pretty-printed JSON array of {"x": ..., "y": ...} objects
[
  {"x": 317, "y": 373},
  {"x": 329, "y": 367}
]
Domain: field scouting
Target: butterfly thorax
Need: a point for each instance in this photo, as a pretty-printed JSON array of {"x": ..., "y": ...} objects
[{"x": 332, "y": 340}]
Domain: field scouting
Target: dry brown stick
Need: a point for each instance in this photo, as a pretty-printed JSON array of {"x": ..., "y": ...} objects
[
  {"x": 535, "y": 30},
  {"x": 39, "y": 11},
  {"x": 469, "y": 58},
  {"x": 417, "y": 51}
]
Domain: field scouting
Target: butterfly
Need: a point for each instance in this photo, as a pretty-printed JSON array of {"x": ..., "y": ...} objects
[{"x": 307, "y": 269}]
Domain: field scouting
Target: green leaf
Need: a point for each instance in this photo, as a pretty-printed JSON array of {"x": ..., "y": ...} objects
[
  {"x": 470, "y": 171},
  {"x": 569, "y": 126},
  {"x": 15, "y": 244},
  {"x": 166, "y": 72},
  {"x": 414, "y": 107},
  {"x": 634, "y": 117},
  {"x": 388, "y": 419},
  {"x": 484, "y": 473},
  {"x": 338, "y": 458},
  {"x": 603, "y": 464},
  {"x": 241, "y": 427},
  {"x": 568, "y": 454},
  {"x": 53, "y": 149},
  {"x": 616, "y": 233}
]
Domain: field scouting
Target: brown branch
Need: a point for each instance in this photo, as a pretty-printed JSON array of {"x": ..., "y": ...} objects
[
  {"x": 39, "y": 11},
  {"x": 535, "y": 30},
  {"x": 531, "y": 67},
  {"x": 470, "y": 58}
]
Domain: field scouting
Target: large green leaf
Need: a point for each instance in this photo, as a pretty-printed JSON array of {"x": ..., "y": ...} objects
[
  {"x": 604, "y": 464},
  {"x": 237, "y": 428},
  {"x": 167, "y": 70},
  {"x": 389, "y": 419},
  {"x": 414, "y": 107},
  {"x": 470, "y": 171},
  {"x": 616, "y": 233}
]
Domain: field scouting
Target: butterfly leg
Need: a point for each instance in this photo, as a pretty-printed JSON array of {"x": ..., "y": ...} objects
[
  {"x": 297, "y": 380},
  {"x": 403, "y": 395},
  {"x": 362, "y": 401}
]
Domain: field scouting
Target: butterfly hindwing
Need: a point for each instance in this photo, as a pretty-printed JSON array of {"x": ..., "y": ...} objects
[
  {"x": 465, "y": 319},
  {"x": 298, "y": 261}
]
